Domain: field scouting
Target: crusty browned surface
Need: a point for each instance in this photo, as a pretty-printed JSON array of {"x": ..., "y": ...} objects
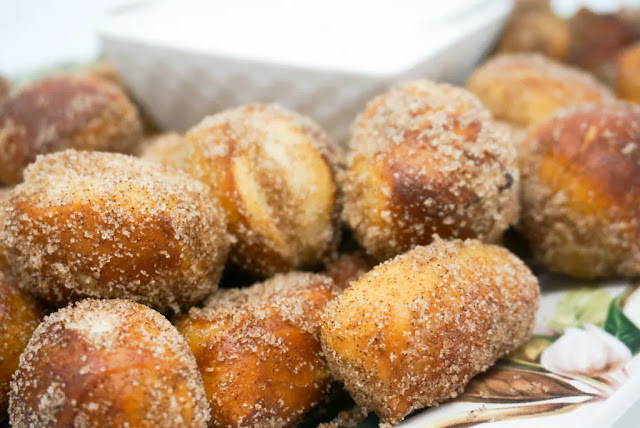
[
  {"x": 580, "y": 193},
  {"x": 20, "y": 314},
  {"x": 62, "y": 112},
  {"x": 274, "y": 173},
  {"x": 426, "y": 159},
  {"x": 349, "y": 267},
  {"x": 523, "y": 89},
  {"x": 413, "y": 331},
  {"x": 106, "y": 363},
  {"x": 90, "y": 224},
  {"x": 628, "y": 74},
  {"x": 258, "y": 350}
]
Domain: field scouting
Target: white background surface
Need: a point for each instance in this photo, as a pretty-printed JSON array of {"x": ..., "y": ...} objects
[{"x": 42, "y": 33}]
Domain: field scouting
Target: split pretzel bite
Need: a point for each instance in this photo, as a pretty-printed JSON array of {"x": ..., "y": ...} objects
[
  {"x": 427, "y": 159},
  {"x": 413, "y": 331},
  {"x": 274, "y": 173},
  {"x": 258, "y": 350},
  {"x": 93, "y": 224}
]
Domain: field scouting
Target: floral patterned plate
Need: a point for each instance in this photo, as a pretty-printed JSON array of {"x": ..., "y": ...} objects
[{"x": 579, "y": 368}]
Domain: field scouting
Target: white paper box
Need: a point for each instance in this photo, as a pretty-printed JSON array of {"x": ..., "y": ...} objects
[{"x": 325, "y": 59}]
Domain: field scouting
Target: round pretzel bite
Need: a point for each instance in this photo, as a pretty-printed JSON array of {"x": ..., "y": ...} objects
[
  {"x": 20, "y": 314},
  {"x": 167, "y": 148},
  {"x": 413, "y": 331},
  {"x": 580, "y": 192},
  {"x": 628, "y": 73},
  {"x": 258, "y": 350},
  {"x": 93, "y": 224},
  {"x": 274, "y": 173},
  {"x": 106, "y": 363},
  {"x": 64, "y": 112},
  {"x": 536, "y": 31},
  {"x": 522, "y": 89},
  {"x": 427, "y": 159}
]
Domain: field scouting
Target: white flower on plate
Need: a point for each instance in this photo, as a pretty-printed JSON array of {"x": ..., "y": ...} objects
[
  {"x": 632, "y": 307},
  {"x": 588, "y": 351}
]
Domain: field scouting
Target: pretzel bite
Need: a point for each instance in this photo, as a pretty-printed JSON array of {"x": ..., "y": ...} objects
[
  {"x": 414, "y": 330},
  {"x": 20, "y": 314},
  {"x": 61, "y": 112},
  {"x": 93, "y": 224},
  {"x": 273, "y": 172},
  {"x": 258, "y": 350},
  {"x": 522, "y": 89},
  {"x": 426, "y": 159},
  {"x": 628, "y": 74},
  {"x": 107, "y": 363},
  {"x": 167, "y": 148},
  {"x": 536, "y": 31},
  {"x": 580, "y": 193}
]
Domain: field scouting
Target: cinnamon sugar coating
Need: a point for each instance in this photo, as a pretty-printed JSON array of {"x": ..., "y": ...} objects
[
  {"x": 427, "y": 159},
  {"x": 523, "y": 89},
  {"x": 258, "y": 350},
  {"x": 274, "y": 173},
  {"x": 64, "y": 112},
  {"x": 105, "y": 363},
  {"x": 20, "y": 314},
  {"x": 580, "y": 192},
  {"x": 93, "y": 224},
  {"x": 413, "y": 331}
]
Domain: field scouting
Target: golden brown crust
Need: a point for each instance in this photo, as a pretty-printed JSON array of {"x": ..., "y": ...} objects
[
  {"x": 523, "y": 89},
  {"x": 580, "y": 196},
  {"x": 258, "y": 350},
  {"x": 274, "y": 173},
  {"x": 414, "y": 330},
  {"x": 427, "y": 159},
  {"x": 20, "y": 314},
  {"x": 62, "y": 112},
  {"x": 90, "y": 224},
  {"x": 104, "y": 363},
  {"x": 627, "y": 73}
]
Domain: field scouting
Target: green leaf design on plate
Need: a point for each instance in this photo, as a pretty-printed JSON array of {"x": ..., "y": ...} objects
[
  {"x": 621, "y": 327},
  {"x": 581, "y": 306}
]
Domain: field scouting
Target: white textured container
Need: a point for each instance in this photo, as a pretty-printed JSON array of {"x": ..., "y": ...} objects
[{"x": 185, "y": 60}]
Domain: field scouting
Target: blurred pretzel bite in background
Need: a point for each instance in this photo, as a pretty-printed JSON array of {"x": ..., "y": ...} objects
[
  {"x": 522, "y": 89},
  {"x": 273, "y": 171},
  {"x": 64, "y": 112},
  {"x": 426, "y": 159},
  {"x": 20, "y": 314},
  {"x": 258, "y": 350},
  {"x": 533, "y": 27},
  {"x": 580, "y": 193},
  {"x": 627, "y": 73},
  {"x": 105, "y": 363},
  {"x": 94, "y": 224},
  {"x": 413, "y": 331}
]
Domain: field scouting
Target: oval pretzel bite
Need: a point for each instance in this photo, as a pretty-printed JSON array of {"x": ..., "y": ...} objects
[
  {"x": 522, "y": 89},
  {"x": 427, "y": 159},
  {"x": 274, "y": 173},
  {"x": 64, "y": 112},
  {"x": 92, "y": 224},
  {"x": 414, "y": 330},
  {"x": 581, "y": 190},
  {"x": 258, "y": 350},
  {"x": 20, "y": 314},
  {"x": 106, "y": 363}
]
